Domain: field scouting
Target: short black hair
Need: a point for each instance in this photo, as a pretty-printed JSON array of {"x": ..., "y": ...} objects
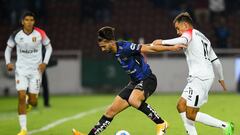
[
  {"x": 106, "y": 33},
  {"x": 28, "y": 13},
  {"x": 183, "y": 17}
]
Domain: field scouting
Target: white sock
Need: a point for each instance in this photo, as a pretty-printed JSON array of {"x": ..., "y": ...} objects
[
  {"x": 23, "y": 121},
  {"x": 188, "y": 124},
  {"x": 191, "y": 129},
  {"x": 210, "y": 121},
  {"x": 184, "y": 118}
]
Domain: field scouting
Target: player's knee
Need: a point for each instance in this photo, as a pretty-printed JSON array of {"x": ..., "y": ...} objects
[
  {"x": 111, "y": 112},
  {"x": 181, "y": 107},
  {"x": 191, "y": 116},
  {"x": 33, "y": 103},
  {"x": 178, "y": 107},
  {"x": 134, "y": 102}
]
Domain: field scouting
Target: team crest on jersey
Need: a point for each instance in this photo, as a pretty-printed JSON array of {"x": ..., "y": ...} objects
[{"x": 34, "y": 39}]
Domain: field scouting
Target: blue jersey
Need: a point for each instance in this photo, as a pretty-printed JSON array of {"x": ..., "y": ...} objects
[{"x": 131, "y": 60}]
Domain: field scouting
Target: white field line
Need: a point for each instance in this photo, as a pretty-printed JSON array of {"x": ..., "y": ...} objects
[
  {"x": 12, "y": 115},
  {"x": 63, "y": 120}
]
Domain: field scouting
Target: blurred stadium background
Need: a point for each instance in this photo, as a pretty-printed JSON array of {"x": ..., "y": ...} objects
[{"x": 82, "y": 69}]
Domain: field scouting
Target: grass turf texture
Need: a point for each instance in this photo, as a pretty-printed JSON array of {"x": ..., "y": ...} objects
[{"x": 222, "y": 106}]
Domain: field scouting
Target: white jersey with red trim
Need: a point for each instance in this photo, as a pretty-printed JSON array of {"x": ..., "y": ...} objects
[
  {"x": 29, "y": 48},
  {"x": 199, "y": 54}
]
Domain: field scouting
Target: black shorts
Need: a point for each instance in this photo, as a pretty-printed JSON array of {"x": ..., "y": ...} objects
[{"x": 148, "y": 85}]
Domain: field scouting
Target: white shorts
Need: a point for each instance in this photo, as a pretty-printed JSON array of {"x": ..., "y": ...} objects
[
  {"x": 32, "y": 81},
  {"x": 196, "y": 91}
]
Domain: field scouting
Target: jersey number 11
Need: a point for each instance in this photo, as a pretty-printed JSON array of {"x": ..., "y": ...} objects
[{"x": 206, "y": 51}]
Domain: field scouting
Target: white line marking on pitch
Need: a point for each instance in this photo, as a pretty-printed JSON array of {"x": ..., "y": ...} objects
[{"x": 60, "y": 121}]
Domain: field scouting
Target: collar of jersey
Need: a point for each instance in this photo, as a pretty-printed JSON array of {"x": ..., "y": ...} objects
[{"x": 26, "y": 33}]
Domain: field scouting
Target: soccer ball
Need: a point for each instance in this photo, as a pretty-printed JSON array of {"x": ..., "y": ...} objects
[{"x": 122, "y": 132}]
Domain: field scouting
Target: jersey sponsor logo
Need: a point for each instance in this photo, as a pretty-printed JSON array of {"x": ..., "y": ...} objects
[{"x": 28, "y": 51}]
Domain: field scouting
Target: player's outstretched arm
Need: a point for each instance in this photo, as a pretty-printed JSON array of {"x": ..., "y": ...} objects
[
  {"x": 174, "y": 41},
  {"x": 146, "y": 48},
  {"x": 7, "y": 55}
]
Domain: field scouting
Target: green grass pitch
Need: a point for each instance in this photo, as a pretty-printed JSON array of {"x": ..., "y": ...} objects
[{"x": 223, "y": 106}]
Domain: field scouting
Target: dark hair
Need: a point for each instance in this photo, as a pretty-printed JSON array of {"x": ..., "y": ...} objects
[
  {"x": 183, "y": 17},
  {"x": 106, "y": 33},
  {"x": 28, "y": 13}
]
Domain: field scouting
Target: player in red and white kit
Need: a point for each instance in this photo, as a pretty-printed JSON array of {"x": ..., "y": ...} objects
[
  {"x": 200, "y": 59},
  {"x": 29, "y": 41}
]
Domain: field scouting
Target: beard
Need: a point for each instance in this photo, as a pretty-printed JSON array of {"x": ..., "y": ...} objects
[{"x": 108, "y": 51}]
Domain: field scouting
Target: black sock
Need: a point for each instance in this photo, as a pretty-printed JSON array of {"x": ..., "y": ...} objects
[
  {"x": 150, "y": 112},
  {"x": 100, "y": 126}
]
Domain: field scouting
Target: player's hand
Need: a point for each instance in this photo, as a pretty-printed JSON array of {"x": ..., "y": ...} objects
[
  {"x": 223, "y": 85},
  {"x": 178, "y": 47},
  {"x": 42, "y": 67},
  {"x": 157, "y": 42},
  {"x": 10, "y": 67}
]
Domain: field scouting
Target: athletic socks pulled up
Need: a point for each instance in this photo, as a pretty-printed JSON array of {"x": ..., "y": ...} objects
[
  {"x": 151, "y": 113},
  {"x": 188, "y": 124},
  {"x": 100, "y": 126},
  {"x": 210, "y": 121},
  {"x": 23, "y": 121}
]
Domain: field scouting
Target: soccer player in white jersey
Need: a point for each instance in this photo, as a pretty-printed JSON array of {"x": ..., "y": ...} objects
[
  {"x": 200, "y": 59},
  {"x": 29, "y": 41}
]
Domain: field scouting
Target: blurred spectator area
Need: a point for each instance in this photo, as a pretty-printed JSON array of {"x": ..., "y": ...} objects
[{"x": 72, "y": 24}]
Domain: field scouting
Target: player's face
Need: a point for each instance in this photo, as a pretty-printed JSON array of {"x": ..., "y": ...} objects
[
  {"x": 106, "y": 46},
  {"x": 180, "y": 27},
  {"x": 28, "y": 22}
]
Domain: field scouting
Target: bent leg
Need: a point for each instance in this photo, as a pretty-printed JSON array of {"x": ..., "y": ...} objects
[
  {"x": 210, "y": 121},
  {"x": 33, "y": 99},
  {"x": 188, "y": 124},
  {"x": 116, "y": 107},
  {"x": 136, "y": 100}
]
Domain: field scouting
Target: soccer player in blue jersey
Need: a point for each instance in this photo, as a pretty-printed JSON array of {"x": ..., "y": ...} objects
[{"x": 142, "y": 84}]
